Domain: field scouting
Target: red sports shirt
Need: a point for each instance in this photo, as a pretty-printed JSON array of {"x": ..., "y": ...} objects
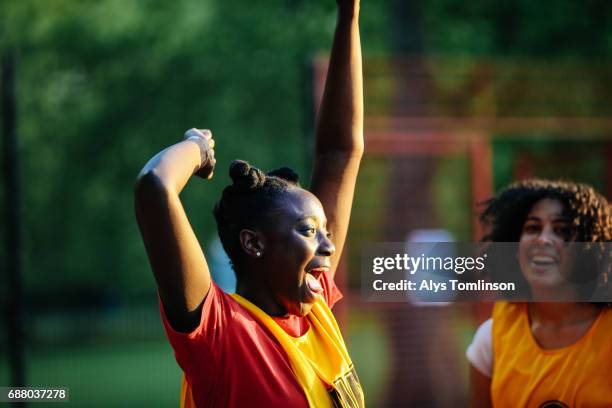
[{"x": 232, "y": 360}]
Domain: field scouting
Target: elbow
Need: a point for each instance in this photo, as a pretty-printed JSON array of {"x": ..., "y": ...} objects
[
  {"x": 341, "y": 157},
  {"x": 147, "y": 179},
  {"x": 148, "y": 185},
  {"x": 345, "y": 141},
  {"x": 352, "y": 148},
  {"x": 357, "y": 149},
  {"x": 353, "y": 151}
]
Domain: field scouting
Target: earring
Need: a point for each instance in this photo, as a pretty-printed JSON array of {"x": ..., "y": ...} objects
[{"x": 258, "y": 253}]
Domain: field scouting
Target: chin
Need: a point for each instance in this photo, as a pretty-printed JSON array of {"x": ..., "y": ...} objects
[
  {"x": 545, "y": 277},
  {"x": 546, "y": 283}
]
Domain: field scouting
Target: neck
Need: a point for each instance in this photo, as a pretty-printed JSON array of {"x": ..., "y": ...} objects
[
  {"x": 562, "y": 312},
  {"x": 552, "y": 294},
  {"x": 256, "y": 293}
]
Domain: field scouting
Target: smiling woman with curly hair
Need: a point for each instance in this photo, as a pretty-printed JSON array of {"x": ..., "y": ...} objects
[
  {"x": 544, "y": 353},
  {"x": 586, "y": 218}
]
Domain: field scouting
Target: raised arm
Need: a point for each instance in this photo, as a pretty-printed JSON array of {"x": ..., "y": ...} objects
[
  {"x": 177, "y": 260},
  {"x": 339, "y": 132}
]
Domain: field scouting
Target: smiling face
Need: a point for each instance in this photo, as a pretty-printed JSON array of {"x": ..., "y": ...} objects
[
  {"x": 297, "y": 251},
  {"x": 545, "y": 256}
]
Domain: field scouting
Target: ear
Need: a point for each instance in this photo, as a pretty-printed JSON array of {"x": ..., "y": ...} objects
[{"x": 252, "y": 243}]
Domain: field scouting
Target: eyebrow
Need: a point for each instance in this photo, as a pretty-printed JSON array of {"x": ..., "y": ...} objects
[
  {"x": 557, "y": 218},
  {"x": 313, "y": 218}
]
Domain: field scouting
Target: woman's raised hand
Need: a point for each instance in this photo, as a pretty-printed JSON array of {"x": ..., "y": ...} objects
[{"x": 204, "y": 139}]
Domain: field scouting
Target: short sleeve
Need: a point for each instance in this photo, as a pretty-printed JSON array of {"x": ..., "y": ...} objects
[
  {"x": 196, "y": 345},
  {"x": 331, "y": 293},
  {"x": 480, "y": 352}
]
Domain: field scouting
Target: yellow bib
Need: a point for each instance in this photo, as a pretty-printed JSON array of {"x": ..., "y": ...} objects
[{"x": 525, "y": 375}]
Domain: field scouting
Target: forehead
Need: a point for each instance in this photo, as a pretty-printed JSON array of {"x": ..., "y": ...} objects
[
  {"x": 547, "y": 208},
  {"x": 299, "y": 203}
]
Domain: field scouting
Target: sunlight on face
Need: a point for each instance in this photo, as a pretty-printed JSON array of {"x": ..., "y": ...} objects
[{"x": 299, "y": 249}]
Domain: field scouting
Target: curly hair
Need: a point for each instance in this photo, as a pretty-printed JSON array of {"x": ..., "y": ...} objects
[
  {"x": 589, "y": 215},
  {"x": 248, "y": 202}
]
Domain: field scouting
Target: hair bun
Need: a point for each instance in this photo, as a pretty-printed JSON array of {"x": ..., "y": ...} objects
[
  {"x": 287, "y": 174},
  {"x": 246, "y": 177}
]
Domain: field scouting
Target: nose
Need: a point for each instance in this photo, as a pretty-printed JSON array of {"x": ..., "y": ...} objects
[
  {"x": 546, "y": 236},
  {"x": 326, "y": 246}
]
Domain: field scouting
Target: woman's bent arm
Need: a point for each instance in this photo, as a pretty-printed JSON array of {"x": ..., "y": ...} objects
[
  {"x": 175, "y": 255},
  {"x": 339, "y": 134}
]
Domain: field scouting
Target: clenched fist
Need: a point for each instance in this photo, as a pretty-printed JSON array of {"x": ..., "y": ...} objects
[{"x": 204, "y": 139}]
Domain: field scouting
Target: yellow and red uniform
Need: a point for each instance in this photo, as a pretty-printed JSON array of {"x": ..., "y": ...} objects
[{"x": 239, "y": 356}]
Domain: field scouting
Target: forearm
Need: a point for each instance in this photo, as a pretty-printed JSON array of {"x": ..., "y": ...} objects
[
  {"x": 171, "y": 168},
  {"x": 175, "y": 255},
  {"x": 339, "y": 136},
  {"x": 340, "y": 122}
]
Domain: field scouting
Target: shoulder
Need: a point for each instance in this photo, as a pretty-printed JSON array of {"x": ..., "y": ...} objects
[
  {"x": 507, "y": 316},
  {"x": 505, "y": 307},
  {"x": 480, "y": 352},
  {"x": 217, "y": 309}
]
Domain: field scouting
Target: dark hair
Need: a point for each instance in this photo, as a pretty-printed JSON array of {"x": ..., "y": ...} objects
[
  {"x": 588, "y": 213},
  {"x": 248, "y": 202}
]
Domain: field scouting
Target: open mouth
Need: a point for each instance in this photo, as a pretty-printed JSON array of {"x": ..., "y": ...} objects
[
  {"x": 311, "y": 281},
  {"x": 543, "y": 261},
  {"x": 318, "y": 271}
]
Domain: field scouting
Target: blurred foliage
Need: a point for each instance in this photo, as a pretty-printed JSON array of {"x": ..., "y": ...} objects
[
  {"x": 103, "y": 85},
  {"x": 519, "y": 28}
]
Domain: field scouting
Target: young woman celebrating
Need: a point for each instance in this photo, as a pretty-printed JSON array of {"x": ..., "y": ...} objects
[
  {"x": 275, "y": 343},
  {"x": 541, "y": 353}
]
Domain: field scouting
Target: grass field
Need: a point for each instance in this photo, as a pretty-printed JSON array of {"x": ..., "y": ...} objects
[
  {"x": 143, "y": 373},
  {"x": 121, "y": 375}
]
